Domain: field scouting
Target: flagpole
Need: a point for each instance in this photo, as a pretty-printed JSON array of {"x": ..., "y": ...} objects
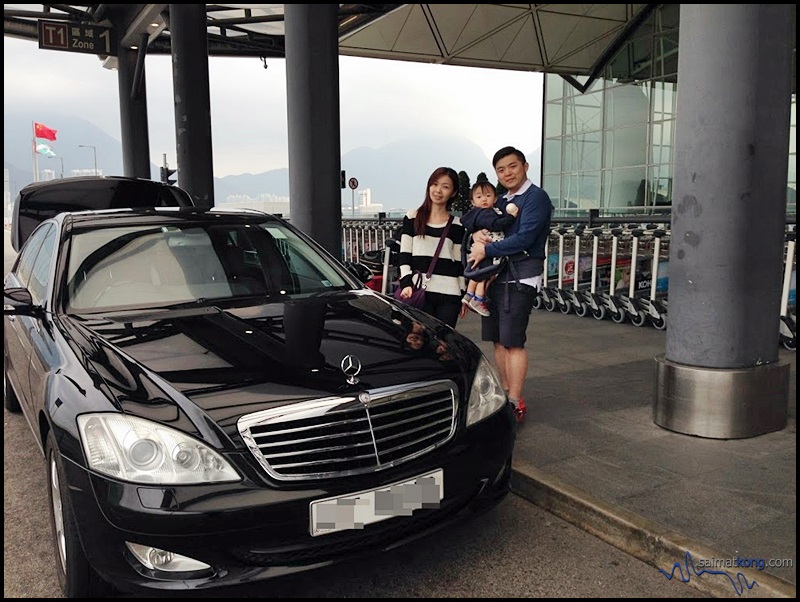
[{"x": 35, "y": 156}]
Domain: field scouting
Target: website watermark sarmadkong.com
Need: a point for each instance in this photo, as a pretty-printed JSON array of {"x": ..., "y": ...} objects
[
  {"x": 726, "y": 568},
  {"x": 743, "y": 562}
]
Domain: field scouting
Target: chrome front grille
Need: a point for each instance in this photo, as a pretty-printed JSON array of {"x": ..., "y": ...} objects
[{"x": 338, "y": 436}]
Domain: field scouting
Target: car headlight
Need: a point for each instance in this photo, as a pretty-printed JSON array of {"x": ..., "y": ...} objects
[
  {"x": 487, "y": 395},
  {"x": 137, "y": 450}
]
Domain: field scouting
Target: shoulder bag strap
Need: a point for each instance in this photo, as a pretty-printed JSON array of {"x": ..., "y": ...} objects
[{"x": 438, "y": 249}]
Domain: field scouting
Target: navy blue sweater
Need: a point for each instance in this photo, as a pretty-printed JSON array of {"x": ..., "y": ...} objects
[{"x": 529, "y": 231}]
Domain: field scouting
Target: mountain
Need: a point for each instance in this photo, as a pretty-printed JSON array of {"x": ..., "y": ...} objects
[
  {"x": 396, "y": 173},
  {"x": 275, "y": 182}
]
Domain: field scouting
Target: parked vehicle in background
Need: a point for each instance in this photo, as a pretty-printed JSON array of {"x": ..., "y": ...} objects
[
  {"x": 220, "y": 401},
  {"x": 41, "y": 200}
]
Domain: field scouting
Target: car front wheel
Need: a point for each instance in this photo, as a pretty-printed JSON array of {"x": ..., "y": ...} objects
[{"x": 75, "y": 577}]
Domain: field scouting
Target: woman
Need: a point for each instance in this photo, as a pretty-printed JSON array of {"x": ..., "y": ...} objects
[{"x": 422, "y": 228}]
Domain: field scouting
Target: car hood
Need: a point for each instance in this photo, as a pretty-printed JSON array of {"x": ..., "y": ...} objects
[{"x": 220, "y": 363}]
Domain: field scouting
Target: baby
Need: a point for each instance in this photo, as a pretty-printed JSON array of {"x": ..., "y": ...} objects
[{"x": 484, "y": 216}]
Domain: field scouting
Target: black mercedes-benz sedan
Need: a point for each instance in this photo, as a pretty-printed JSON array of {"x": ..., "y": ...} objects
[{"x": 219, "y": 401}]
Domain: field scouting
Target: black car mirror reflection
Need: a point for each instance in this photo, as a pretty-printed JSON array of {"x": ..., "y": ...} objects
[
  {"x": 18, "y": 300},
  {"x": 359, "y": 270}
]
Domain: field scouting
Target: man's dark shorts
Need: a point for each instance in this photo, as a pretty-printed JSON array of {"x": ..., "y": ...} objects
[{"x": 511, "y": 310}]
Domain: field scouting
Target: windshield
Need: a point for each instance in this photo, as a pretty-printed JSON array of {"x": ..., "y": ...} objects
[{"x": 163, "y": 265}]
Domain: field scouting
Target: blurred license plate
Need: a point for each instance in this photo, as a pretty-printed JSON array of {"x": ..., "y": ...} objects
[{"x": 356, "y": 510}]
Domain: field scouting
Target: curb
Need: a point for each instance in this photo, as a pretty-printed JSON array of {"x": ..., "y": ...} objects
[{"x": 642, "y": 538}]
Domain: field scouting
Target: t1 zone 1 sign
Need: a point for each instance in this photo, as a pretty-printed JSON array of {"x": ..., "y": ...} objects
[{"x": 77, "y": 37}]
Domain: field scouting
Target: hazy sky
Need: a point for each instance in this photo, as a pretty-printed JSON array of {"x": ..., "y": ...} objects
[{"x": 381, "y": 102}]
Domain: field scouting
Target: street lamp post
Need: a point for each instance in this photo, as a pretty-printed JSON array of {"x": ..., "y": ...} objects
[{"x": 94, "y": 153}]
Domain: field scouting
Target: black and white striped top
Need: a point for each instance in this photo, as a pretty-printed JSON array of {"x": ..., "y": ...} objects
[{"x": 416, "y": 253}]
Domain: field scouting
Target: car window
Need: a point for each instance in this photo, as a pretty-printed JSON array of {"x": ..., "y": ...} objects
[
  {"x": 161, "y": 265},
  {"x": 29, "y": 252},
  {"x": 40, "y": 275}
]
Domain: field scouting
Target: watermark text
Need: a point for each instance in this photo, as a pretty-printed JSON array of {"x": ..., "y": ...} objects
[{"x": 743, "y": 562}]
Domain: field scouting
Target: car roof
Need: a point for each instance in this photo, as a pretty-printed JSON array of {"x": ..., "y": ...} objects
[{"x": 112, "y": 217}]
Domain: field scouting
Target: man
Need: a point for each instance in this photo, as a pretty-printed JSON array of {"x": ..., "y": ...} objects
[{"x": 514, "y": 291}]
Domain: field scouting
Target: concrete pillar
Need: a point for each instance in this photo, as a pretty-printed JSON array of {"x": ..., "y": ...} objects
[
  {"x": 721, "y": 376},
  {"x": 133, "y": 115},
  {"x": 312, "y": 94},
  {"x": 187, "y": 26}
]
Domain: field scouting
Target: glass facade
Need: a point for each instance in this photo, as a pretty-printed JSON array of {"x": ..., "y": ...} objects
[{"x": 611, "y": 147}]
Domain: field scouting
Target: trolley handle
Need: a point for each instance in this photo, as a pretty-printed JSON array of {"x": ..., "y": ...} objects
[{"x": 597, "y": 232}]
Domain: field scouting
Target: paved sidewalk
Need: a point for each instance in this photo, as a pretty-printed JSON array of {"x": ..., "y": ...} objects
[{"x": 590, "y": 453}]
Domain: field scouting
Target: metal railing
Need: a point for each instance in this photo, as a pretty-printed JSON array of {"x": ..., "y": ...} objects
[{"x": 591, "y": 252}]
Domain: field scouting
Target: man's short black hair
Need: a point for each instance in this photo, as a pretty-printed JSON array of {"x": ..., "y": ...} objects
[{"x": 505, "y": 152}]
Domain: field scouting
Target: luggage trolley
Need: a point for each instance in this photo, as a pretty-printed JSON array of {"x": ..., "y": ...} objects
[
  {"x": 560, "y": 295},
  {"x": 574, "y": 297},
  {"x": 630, "y": 302},
  {"x": 389, "y": 267},
  {"x": 788, "y": 323},
  {"x": 594, "y": 300},
  {"x": 655, "y": 308},
  {"x": 547, "y": 292},
  {"x": 538, "y": 301},
  {"x": 613, "y": 302}
]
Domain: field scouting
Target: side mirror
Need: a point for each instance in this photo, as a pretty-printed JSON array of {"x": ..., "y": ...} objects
[
  {"x": 18, "y": 301},
  {"x": 359, "y": 270}
]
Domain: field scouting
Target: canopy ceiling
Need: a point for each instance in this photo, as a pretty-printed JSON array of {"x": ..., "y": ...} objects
[{"x": 569, "y": 39}]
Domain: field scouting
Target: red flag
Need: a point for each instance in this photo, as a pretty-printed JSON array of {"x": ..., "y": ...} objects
[{"x": 42, "y": 131}]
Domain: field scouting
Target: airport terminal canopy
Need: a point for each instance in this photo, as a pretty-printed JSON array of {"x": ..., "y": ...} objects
[{"x": 568, "y": 39}]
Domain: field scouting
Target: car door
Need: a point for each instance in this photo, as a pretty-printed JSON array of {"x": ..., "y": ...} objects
[
  {"x": 17, "y": 328},
  {"x": 43, "y": 353}
]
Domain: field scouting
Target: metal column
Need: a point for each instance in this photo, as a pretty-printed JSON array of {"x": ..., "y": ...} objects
[
  {"x": 192, "y": 101},
  {"x": 133, "y": 114},
  {"x": 312, "y": 95},
  {"x": 721, "y": 376}
]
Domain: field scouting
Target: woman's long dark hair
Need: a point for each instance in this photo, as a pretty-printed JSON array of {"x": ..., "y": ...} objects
[{"x": 424, "y": 212}]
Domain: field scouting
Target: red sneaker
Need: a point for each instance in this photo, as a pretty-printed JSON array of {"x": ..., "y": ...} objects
[{"x": 520, "y": 410}]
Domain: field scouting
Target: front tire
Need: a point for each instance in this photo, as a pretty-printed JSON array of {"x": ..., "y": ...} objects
[
  {"x": 660, "y": 323},
  {"x": 76, "y": 577},
  {"x": 599, "y": 313},
  {"x": 639, "y": 318},
  {"x": 619, "y": 316},
  {"x": 788, "y": 334}
]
